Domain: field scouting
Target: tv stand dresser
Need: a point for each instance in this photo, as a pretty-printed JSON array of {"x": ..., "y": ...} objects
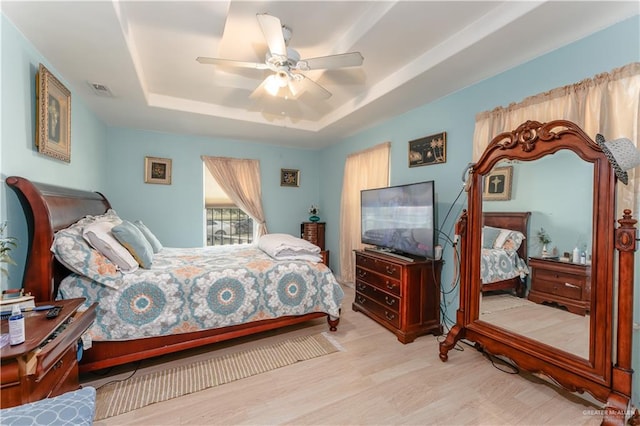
[{"x": 401, "y": 295}]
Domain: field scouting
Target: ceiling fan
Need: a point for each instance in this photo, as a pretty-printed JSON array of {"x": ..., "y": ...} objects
[{"x": 285, "y": 62}]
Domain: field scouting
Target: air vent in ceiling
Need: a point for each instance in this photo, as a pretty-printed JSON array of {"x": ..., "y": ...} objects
[{"x": 101, "y": 90}]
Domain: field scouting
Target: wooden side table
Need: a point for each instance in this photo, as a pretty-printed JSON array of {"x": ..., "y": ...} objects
[
  {"x": 46, "y": 364},
  {"x": 563, "y": 283},
  {"x": 314, "y": 233}
]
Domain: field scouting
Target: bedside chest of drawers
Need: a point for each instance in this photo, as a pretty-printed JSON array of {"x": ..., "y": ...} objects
[
  {"x": 46, "y": 364},
  {"x": 400, "y": 295},
  {"x": 563, "y": 283}
]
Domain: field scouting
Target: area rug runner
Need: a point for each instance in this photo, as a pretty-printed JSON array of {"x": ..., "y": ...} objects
[{"x": 118, "y": 398}]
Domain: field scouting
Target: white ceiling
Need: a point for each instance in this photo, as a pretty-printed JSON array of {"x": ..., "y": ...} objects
[{"x": 414, "y": 52}]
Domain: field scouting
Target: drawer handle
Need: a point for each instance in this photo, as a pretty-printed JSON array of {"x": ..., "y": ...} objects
[
  {"x": 390, "y": 285},
  {"x": 361, "y": 300},
  {"x": 390, "y": 300},
  {"x": 389, "y": 316},
  {"x": 362, "y": 273},
  {"x": 390, "y": 269},
  {"x": 361, "y": 287},
  {"x": 58, "y": 365},
  {"x": 571, "y": 285}
]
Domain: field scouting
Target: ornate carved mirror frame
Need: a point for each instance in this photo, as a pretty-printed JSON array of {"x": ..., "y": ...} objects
[{"x": 605, "y": 378}]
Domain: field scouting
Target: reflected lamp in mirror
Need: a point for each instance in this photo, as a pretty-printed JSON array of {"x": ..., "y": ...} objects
[{"x": 622, "y": 154}]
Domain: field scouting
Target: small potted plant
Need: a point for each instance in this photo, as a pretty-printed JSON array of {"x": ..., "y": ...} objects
[
  {"x": 6, "y": 245},
  {"x": 313, "y": 211},
  {"x": 544, "y": 239}
]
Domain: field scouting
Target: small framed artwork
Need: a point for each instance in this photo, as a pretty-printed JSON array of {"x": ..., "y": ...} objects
[
  {"x": 428, "y": 150},
  {"x": 497, "y": 184},
  {"x": 289, "y": 177},
  {"x": 53, "y": 112},
  {"x": 157, "y": 170}
]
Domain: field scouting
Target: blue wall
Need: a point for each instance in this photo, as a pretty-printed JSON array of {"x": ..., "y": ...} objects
[
  {"x": 20, "y": 157},
  {"x": 175, "y": 212}
]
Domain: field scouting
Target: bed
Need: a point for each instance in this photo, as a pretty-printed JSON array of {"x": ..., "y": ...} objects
[
  {"x": 504, "y": 268},
  {"x": 51, "y": 211}
]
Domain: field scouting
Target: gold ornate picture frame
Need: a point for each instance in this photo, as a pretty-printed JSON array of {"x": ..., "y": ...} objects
[
  {"x": 157, "y": 170},
  {"x": 428, "y": 150},
  {"x": 497, "y": 184},
  {"x": 53, "y": 111},
  {"x": 289, "y": 177}
]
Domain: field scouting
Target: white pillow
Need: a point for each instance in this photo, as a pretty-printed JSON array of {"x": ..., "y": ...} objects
[{"x": 98, "y": 235}]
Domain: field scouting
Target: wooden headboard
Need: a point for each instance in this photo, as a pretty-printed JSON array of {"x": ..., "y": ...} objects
[
  {"x": 48, "y": 209},
  {"x": 517, "y": 221}
]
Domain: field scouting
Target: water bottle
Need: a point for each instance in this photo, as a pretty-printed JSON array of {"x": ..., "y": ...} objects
[
  {"x": 576, "y": 255},
  {"x": 16, "y": 326}
]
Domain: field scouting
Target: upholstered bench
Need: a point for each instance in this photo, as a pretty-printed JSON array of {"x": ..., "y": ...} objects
[{"x": 72, "y": 408}]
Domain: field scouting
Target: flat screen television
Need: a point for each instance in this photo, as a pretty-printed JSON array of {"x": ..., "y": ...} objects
[{"x": 400, "y": 218}]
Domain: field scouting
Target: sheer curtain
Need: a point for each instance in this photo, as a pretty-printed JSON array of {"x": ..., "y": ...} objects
[
  {"x": 240, "y": 179},
  {"x": 362, "y": 170},
  {"x": 608, "y": 103}
]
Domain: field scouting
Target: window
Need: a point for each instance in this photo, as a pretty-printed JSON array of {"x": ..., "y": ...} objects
[{"x": 226, "y": 223}]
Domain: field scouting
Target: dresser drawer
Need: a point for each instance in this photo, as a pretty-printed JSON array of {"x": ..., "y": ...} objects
[
  {"x": 63, "y": 375},
  {"x": 385, "y": 268},
  {"x": 384, "y": 298},
  {"x": 384, "y": 313},
  {"x": 560, "y": 288},
  {"x": 384, "y": 283},
  {"x": 561, "y": 277}
]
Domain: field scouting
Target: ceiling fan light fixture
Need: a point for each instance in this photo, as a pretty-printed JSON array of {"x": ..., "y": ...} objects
[{"x": 275, "y": 82}]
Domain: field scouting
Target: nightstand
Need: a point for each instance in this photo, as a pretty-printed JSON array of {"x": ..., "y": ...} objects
[
  {"x": 566, "y": 284},
  {"x": 314, "y": 233},
  {"x": 46, "y": 364}
]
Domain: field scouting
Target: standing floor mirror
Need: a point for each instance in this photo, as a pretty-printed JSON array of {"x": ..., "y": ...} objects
[{"x": 563, "y": 180}]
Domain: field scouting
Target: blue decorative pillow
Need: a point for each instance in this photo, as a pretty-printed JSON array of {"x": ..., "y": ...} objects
[
  {"x": 153, "y": 240},
  {"x": 489, "y": 235},
  {"x": 71, "y": 408},
  {"x": 133, "y": 240}
]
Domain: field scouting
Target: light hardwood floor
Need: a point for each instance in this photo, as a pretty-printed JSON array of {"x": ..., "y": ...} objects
[{"x": 376, "y": 380}]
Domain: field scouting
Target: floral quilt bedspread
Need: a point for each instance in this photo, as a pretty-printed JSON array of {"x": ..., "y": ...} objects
[
  {"x": 189, "y": 290},
  {"x": 501, "y": 264}
]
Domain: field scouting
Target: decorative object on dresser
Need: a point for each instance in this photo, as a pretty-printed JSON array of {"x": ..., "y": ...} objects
[
  {"x": 428, "y": 150},
  {"x": 401, "y": 295},
  {"x": 46, "y": 364},
  {"x": 313, "y": 211},
  {"x": 314, "y": 233},
  {"x": 157, "y": 170},
  {"x": 605, "y": 371},
  {"x": 562, "y": 283},
  {"x": 56, "y": 218},
  {"x": 53, "y": 111}
]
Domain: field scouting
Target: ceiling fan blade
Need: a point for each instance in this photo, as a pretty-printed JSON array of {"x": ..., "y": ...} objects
[
  {"x": 272, "y": 31},
  {"x": 343, "y": 60},
  {"x": 306, "y": 84},
  {"x": 231, "y": 63}
]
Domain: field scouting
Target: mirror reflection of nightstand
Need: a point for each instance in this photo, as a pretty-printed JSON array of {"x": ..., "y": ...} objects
[{"x": 562, "y": 283}]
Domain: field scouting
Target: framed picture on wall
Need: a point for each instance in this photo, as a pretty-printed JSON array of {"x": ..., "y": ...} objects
[
  {"x": 428, "y": 150},
  {"x": 497, "y": 184},
  {"x": 157, "y": 170},
  {"x": 289, "y": 177},
  {"x": 53, "y": 112}
]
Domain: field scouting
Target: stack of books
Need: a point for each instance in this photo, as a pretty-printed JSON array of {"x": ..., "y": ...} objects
[{"x": 24, "y": 301}]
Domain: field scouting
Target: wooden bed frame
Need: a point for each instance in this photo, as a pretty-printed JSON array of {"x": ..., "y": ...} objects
[
  {"x": 48, "y": 209},
  {"x": 517, "y": 221}
]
